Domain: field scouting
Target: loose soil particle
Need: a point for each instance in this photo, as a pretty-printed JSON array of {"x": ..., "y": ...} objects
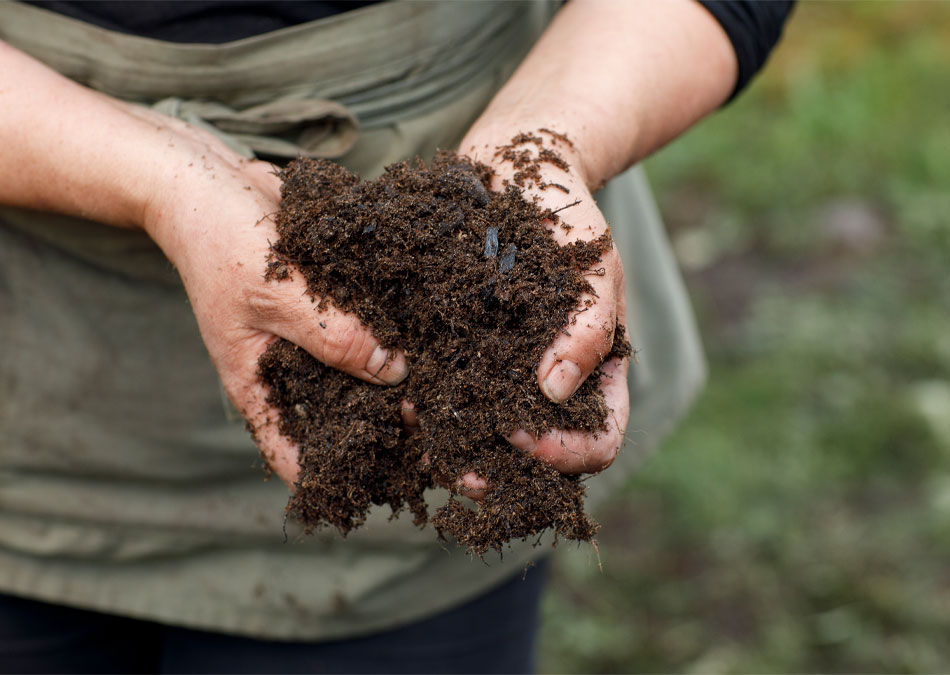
[{"x": 471, "y": 285}]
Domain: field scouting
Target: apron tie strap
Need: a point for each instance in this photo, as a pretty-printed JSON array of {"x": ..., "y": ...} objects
[{"x": 286, "y": 128}]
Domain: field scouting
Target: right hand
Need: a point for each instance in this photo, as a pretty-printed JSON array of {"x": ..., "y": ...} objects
[{"x": 212, "y": 215}]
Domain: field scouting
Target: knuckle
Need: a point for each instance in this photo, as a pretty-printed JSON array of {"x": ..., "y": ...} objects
[
  {"x": 619, "y": 277},
  {"x": 611, "y": 449},
  {"x": 613, "y": 265},
  {"x": 343, "y": 345},
  {"x": 596, "y": 338},
  {"x": 264, "y": 303}
]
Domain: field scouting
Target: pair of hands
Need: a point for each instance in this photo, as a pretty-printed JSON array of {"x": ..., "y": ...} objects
[
  {"x": 668, "y": 65},
  {"x": 204, "y": 219}
]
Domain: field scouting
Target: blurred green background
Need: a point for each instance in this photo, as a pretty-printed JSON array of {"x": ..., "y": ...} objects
[{"x": 799, "y": 520}]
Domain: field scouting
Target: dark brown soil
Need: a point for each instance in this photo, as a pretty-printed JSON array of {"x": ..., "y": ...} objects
[{"x": 472, "y": 286}]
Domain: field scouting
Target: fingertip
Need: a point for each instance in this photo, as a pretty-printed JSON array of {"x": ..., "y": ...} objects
[
  {"x": 387, "y": 365},
  {"x": 522, "y": 440},
  {"x": 281, "y": 454},
  {"x": 562, "y": 381},
  {"x": 472, "y": 486},
  {"x": 409, "y": 415}
]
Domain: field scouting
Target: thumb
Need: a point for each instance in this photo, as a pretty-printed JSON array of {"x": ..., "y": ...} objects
[
  {"x": 588, "y": 337},
  {"x": 331, "y": 336}
]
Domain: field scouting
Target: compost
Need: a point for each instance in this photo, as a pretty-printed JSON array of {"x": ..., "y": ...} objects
[{"x": 471, "y": 285}]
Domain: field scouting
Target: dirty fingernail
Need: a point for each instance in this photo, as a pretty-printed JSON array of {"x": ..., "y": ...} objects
[
  {"x": 389, "y": 370},
  {"x": 409, "y": 414},
  {"x": 522, "y": 440},
  {"x": 562, "y": 381},
  {"x": 472, "y": 486}
]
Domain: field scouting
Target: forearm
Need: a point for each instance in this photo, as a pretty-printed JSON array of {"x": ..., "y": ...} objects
[
  {"x": 71, "y": 150},
  {"x": 620, "y": 77}
]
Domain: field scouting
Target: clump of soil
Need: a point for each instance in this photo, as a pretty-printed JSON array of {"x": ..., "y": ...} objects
[{"x": 472, "y": 287}]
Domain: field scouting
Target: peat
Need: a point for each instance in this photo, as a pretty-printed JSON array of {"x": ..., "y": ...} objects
[{"x": 471, "y": 285}]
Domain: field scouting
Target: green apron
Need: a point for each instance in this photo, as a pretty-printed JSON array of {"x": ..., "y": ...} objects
[{"x": 126, "y": 483}]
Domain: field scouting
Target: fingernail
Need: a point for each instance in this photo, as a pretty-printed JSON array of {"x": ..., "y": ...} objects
[
  {"x": 562, "y": 381},
  {"x": 522, "y": 440},
  {"x": 389, "y": 370}
]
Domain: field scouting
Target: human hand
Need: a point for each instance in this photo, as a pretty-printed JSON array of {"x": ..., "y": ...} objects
[
  {"x": 589, "y": 334},
  {"x": 668, "y": 65},
  {"x": 71, "y": 150},
  {"x": 203, "y": 214}
]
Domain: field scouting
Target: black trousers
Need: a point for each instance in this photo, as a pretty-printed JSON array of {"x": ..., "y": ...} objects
[{"x": 491, "y": 634}]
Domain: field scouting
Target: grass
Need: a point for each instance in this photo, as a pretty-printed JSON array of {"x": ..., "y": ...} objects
[{"x": 799, "y": 520}]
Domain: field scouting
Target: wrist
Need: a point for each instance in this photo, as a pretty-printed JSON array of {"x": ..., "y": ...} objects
[
  {"x": 180, "y": 183},
  {"x": 183, "y": 170},
  {"x": 592, "y": 156},
  {"x": 204, "y": 197},
  {"x": 497, "y": 143}
]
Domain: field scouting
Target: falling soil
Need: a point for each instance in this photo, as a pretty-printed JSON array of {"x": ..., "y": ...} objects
[{"x": 472, "y": 286}]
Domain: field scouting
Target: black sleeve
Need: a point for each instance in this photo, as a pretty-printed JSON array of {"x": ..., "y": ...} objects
[{"x": 753, "y": 27}]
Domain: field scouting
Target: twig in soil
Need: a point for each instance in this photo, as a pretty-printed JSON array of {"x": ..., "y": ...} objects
[
  {"x": 593, "y": 545},
  {"x": 574, "y": 203},
  {"x": 265, "y": 217}
]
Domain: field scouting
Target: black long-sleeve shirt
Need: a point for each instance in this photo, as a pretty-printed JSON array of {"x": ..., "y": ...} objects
[{"x": 754, "y": 28}]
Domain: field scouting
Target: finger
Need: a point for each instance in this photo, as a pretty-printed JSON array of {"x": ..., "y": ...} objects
[
  {"x": 410, "y": 420},
  {"x": 249, "y": 395},
  {"x": 472, "y": 486},
  {"x": 409, "y": 416},
  {"x": 335, "y": 338},
  {"x": 280, "y": 453},
  {"x": 579, "y": 452},
  {"x": 587, "y": 337}
]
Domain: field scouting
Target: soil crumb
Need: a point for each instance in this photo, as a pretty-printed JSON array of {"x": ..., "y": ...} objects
[{"x": 471, "y": 285}]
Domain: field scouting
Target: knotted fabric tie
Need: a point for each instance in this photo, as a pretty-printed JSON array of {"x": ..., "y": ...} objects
[{"x": 285, "y": 128}]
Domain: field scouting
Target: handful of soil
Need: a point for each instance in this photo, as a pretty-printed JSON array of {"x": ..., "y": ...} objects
[{"x": 472, "y": 287}]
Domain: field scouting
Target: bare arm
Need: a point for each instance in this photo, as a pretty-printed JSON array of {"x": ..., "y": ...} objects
[
  {"x": 621, "y": 77},
  {"x": 71, "y": 150}
]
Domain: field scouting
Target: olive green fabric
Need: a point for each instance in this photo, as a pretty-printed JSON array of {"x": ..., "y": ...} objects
[{"x": 125, "y": 485}]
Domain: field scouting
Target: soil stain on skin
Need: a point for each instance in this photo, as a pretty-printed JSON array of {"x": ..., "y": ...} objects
[{"x": 471, "y": 285}]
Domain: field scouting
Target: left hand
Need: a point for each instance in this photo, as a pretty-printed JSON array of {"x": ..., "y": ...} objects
[
  {"x": 622, "y": 79},
  {"x": 574, "y": 354}
]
